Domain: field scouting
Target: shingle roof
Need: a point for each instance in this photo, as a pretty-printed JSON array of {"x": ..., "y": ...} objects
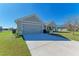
[{"x": 33, "y": 18}]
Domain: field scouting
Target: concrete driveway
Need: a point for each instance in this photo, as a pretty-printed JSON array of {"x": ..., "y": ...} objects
[{"x": 53, "y": 48}]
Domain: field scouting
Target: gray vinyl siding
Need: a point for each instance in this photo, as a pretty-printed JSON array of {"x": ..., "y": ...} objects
[
  {"x": 19, "y": 28},
  {"x": 29, "y": 25}
]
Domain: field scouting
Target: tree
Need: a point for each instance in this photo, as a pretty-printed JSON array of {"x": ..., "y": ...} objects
[
  {"x": 72, "y": 25},
  {"x": 51, "y": 26},
  {"x": 72, "y": 22}
]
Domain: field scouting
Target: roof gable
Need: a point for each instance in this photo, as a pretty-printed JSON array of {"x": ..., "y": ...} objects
[{"x": 31, "y": 18}]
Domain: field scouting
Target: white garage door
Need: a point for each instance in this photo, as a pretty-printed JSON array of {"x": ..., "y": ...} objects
[{"x": 30, "y": 28}]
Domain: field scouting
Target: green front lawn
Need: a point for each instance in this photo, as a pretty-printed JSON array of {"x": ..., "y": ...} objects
[
  {"x": 70, "y": 35},
  {"x": 12, "y": 46}
]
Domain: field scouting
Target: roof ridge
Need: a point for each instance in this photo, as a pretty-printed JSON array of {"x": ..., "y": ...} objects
[{"x": 29, "y": 16}]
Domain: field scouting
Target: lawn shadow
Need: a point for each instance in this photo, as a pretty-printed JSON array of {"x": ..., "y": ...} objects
[{"x": 61, "y": 36}]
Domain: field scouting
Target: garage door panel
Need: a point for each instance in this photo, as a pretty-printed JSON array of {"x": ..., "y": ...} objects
[{"x": 32, "y": 28}]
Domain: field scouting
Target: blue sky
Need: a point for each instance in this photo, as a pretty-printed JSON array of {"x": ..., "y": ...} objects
[{"x": 47, "y": 12}]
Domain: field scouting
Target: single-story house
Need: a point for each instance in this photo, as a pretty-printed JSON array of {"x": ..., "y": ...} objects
[
  {"x": 61, "y": 28},
  {"x": 55, "y": 28},
  {"x": 29, "y": 25},
  {"x": 0, "y": 29}
]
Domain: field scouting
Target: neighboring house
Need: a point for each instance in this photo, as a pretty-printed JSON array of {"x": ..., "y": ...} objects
[
  {"x": 76, "y": 28},
  {"x": 29, "y": 25},
  {"x": 61, "y": 28},
  {"x": 51, "y": 28},
  {"x": 0, "y": 29}
]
